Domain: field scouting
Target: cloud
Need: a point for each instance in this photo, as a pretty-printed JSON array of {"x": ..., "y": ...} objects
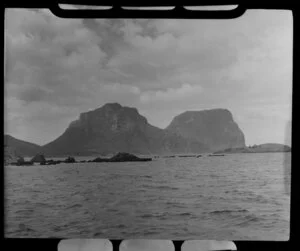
[
  {"x": 209, "y": 44},
  {"x": 46, "y": 55},
  {"x": 117, "y": 87},
  {"x": 40, "y": 121},
  {"x": 171, "y": 94}
]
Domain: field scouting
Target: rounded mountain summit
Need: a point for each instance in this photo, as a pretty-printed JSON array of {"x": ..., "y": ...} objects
[{"x": 215, "y": 128}]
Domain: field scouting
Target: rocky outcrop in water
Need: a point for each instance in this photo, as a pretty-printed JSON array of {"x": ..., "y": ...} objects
[
  {"x": 124, "y": 157},
  {"x": 70, "y": 160},
  {"x": 38, "y": 158},
  {"x": 121, "y": 157}
]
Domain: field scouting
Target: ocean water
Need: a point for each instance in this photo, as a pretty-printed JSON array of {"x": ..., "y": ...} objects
[{"x": 235, "y": 197}]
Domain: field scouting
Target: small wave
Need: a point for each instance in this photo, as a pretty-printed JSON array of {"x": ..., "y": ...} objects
[
  {"x": 237, "y": 192},
  {"x": 24, "y": 211},
  {"x": 185, "y": 214},
  {"x": 145, "y": 176},
  {"x": 150, "y": 232},
  {"x": 251, "y": 196},
  {"x": 154, "y": 215},
  {"x": 175, "y": 205},
  {"x": 162, "y": 187},
  {"x": 252, "y": 218},
  {"x": 57, "y": 228},
  {"x": 41, "y": 204},
  {"x": 229, "y": 211},
  {"x": 247, "y": 220},
  {"x": 74, "y": 206},
  {"x": 24, "y": 228},
  {"x": 98, "y": 234},
  {"x": 167, "y": 187},
  {"x": 275, "y": 215},
  {"x": 145, "y": 216}
]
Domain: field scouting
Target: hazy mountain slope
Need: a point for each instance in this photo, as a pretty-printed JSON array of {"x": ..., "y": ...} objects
[{"x": 23, "y": 148}]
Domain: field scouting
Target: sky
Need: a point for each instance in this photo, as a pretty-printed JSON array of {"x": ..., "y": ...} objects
[{"x": 57, "y": 68}]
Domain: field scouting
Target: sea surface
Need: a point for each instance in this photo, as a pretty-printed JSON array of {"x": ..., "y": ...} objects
[{"x": 234, "y": 197}]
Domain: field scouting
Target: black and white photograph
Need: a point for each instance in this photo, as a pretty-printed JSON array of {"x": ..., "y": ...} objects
[{"x": 163, "y": 129}]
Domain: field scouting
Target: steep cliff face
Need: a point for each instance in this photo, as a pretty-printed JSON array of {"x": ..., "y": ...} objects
[{"x": 214, "y": 128}]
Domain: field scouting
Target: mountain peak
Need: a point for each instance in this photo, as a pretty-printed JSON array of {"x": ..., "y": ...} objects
[
  {"x": 216, "y": 128},
  {"x": 211, "y": 111},
  {"x": 108, "y": 106},
  {"x": 112, "y": 105},
  {"x": 110, "y": 119}
]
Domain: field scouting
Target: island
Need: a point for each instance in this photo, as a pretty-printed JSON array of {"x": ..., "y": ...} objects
[
  {"x": 262, "y": 148},
  {"x": 121, "y": 157}
]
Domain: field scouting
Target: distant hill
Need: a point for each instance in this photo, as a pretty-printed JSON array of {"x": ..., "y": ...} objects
[
  {"x": 20, "y": 147},
  {"x": 214, "y": 128},
  {"x": 263, "y": 148}
]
